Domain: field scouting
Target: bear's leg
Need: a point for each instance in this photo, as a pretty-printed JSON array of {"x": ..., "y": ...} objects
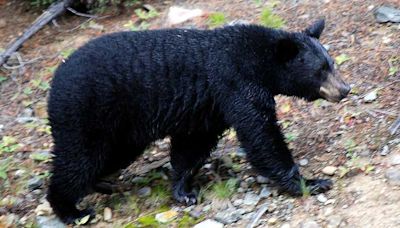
[
  {"x": 71, "y": 180},
  {"x": 255, "y": 121},
  {"x": 188, "y": 154},
  {"x": 123, "y": 155}
]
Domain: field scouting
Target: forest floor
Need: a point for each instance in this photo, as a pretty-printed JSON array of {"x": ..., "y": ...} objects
[{"x": 348, "y": 142}]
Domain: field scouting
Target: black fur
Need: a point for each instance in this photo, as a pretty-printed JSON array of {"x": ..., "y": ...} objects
[{"x": 118, "y": 93}]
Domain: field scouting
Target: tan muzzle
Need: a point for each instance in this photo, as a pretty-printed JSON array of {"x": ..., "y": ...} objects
[{"x": 334, "y": 88}]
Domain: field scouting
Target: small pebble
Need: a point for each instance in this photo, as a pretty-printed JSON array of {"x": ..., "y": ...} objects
[
  {"x": 310, "y": 224},
  {"x": 237, "y": 202},
  {"x": 209, "y": 223},
  {"x": 144, "y": 192},
  {"x": 265, "y": 192},
  {"x": 43, "y": 209},
  {"x": 107, "y": 214},
  {"x": 228, "y": 216},
  {"x": 385, "y": 150},
  {"x": 35, "y": 183},
  {"x": 285, "y": 225},
  {"x": 251, "y": 199},
  {"x": 395, "y": 160},
  {"x": 371, "y": 96},
  {"x": 322, "y": 198},
  {"x": 334, "y": 221},
  {"x": 303, "y": 162},
  {"x": 262, "y": 180},
  {"x": 272, "y": 221},
  {"x": 329, "y": 170},
  {"x": 393, "y": 176}
]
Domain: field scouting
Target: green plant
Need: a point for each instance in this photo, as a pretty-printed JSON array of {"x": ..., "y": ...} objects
[
  {"x": 133, "y": 27},
  {"x": 4, "y": 165},
  {"x": 271, "y": 20},
  {"x": 305, "y": 190},
  {"x": 67, "y": 52},
  {"x": 8, "y": 144},
  {"x": 160, "y": 195},
  {"x": 291, "y": 136},
  {"x": 187, "y": 221},
  {"x": 145, "y": 15},
  {"x": 2, "y": 78},
  {"x": 340, "y": 59},
  {"x": 224, "y": 189},
  {"x": 216, "y": 19}
]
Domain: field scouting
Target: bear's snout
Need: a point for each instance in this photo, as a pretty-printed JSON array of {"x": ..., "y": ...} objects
[{"x": 334, "y": 89}]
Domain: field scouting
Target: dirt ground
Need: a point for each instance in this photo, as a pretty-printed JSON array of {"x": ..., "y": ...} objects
[{"x": 351, "y": 137}]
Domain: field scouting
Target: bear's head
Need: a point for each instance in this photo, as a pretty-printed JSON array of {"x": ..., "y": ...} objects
[{"x": 305, "y": 68}]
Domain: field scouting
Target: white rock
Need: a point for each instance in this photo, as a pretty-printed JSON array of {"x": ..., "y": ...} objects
[
  {"x": 395, "y": 160},
  {"x": 329, "y": 170},
  {"x": 209, "y": 224},
  {"x": 285, "y": 225},
  {"x": 322, "y": 198},
  {"x": 177, "y": 15},
  {"x": 385, "y": 150},
  {"x": 371, "y": 96},
  {"x": 43, "y": 209},
  {"x": 167, "y": 216},
  {"x": 107, "y": 214},
  {"x": 310, "y": 224},
  {"x": 303, "y": 162},
  {"x": 251, "y": 199}
]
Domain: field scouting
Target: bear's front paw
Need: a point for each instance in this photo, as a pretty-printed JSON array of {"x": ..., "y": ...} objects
[
  {"x": 316, "y": 186},
  {"x": 297, "y": 187},
  {"x": 188, "y": 198}
]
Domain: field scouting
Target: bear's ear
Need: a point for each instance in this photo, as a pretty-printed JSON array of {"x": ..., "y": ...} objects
[
  {"x": 316, "y": 29},
  {"x": 286, "y": 50}
]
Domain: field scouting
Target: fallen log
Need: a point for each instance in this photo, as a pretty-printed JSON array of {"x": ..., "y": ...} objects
[{"x": 52, "y": 12}]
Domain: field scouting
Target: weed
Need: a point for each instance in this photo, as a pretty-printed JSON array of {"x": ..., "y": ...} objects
[
  {"x": 4, "y": 165},
  {"x": 271, "y": 20},
  {"x": 216, "y": 19},
  {"x": 187, "y": 221},
  {"x": 160, "y": 195},
  {"x": 67, "y": 52},
  {"x": 2, "y": 78},
  {"x": 8, "y": 144},
  {"x": 305, "y": 190},
  {"x": 291, "y": 136},
  {"x": 145, "y": 15},
  {"x": 224, "y": 189},
  {"x": 133, "y": 27}
]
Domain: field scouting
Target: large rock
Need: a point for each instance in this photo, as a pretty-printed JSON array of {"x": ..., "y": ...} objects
[
  {"x": 228, "y": 216},
  {"x": 387, "y": 14}
]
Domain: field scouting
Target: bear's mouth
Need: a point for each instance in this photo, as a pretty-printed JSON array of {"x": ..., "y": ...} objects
[{"x": 334, "y": 89}]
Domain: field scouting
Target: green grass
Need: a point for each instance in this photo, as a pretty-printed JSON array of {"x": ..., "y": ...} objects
[
  {"x": 304, "y": 188},
  {"x": 216, "y": 19},
  {"x": 224, "y": 189},
  {"x": 271, "y": 20}
]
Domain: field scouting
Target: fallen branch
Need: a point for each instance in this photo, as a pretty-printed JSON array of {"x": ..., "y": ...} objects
[
  {"x": 395, "y": 126},
  {"x": 257, "y": 216},
  {"x": 52, "y": 12}
]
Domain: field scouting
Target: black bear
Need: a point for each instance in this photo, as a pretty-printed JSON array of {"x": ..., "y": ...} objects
[{"x": 118, "y": 93}]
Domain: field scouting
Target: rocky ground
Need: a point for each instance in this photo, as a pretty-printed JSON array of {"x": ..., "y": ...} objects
[{"x": 350, "y": 142}]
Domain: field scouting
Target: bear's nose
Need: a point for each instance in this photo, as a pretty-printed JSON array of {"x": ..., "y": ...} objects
[{"x": 344, "y": 90}]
